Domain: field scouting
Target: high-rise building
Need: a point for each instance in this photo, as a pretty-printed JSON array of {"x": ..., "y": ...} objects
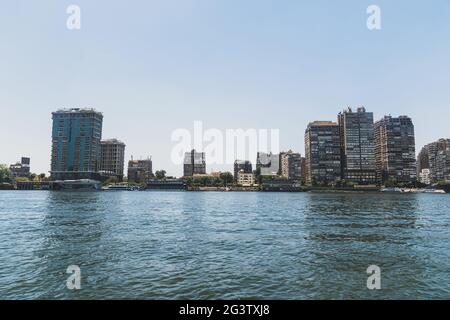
[
  {"x": 244, "y": 165},
  {"x": 395, "y": 151},
  {"x": 20, "y": 169},
  {"x": 140, "y": 171},
  {"x": 303, "y": 170},
  {"x": 194, "y": 163},
  {"x": 422, "y": 160},
  {"x": 76, "y": 136},
  {"x": 268, "y": 164},
  {"x": 322, "y": 153},
  {"x": 435, "y": 156},
  {"x": 357, "y": 146},
  {"x": 112, "y": 158},
  {"x": 291, "y": 165}
]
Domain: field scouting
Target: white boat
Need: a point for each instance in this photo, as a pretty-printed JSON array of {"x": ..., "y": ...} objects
[
  {"x": 433, "y": 191},
  {"x": 121, "y": 187},
  {"x": 117, "y": 187},
  {"x": 393, "y": 190}
]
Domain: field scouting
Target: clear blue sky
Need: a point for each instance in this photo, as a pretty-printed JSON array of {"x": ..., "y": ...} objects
[{"x": 154, "y": 66}]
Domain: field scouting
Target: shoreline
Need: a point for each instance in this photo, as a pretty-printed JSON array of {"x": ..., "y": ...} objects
[{"x": 243, "y": 191}]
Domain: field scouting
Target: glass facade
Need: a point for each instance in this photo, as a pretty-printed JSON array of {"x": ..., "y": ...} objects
[{"x": 76, "y": 136}]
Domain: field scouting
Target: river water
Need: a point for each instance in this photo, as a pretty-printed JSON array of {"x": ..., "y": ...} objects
[{"x": 223, "y": 245}]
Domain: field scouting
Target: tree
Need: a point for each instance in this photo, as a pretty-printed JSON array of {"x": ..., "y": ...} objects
[
  {"x": 33, "y": 176},
  {"x": 203, "y": 181},
  {"x": 4, "y": 174},
  {"x": 227, "y": 178},
  {"x": 111, "y": 180},
  {"x": 42, "y": 177},
  {"x": 160, "y": 174},
  {"x": 391, "y": 182},
  {"x": 258, "y": 175},
  {"x": 189, "y": 181},
  {"x": 324, "y": 184}
]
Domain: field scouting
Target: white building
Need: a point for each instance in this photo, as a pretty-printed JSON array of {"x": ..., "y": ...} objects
[
  {"x": 245, "y": 179},
  {"x": 424, "y": 176}
]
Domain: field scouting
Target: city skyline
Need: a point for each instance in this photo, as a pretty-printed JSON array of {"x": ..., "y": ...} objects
[
  {"x": 251, "y": 160},
  {"x": 72, "y": 126},
  {"x": 163, "y": 66}
]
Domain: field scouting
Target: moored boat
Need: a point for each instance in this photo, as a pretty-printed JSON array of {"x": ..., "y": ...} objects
[
  {"x": 433, "y": 191},
  {"x": 78, "y": 185},
  {"x": 121, "y": 187},
  {"x": 392, "y": 190}
]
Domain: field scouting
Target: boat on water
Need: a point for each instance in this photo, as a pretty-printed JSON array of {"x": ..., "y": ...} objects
[
  {"x": 433, "y": 191},
  {"x": 166, "y": 184},
  {"x": 411, "y": 190},
  {"x": 121, "y": 187},
  {"x": 78, "y": 185},
  {"x": 392, "y": 190}
]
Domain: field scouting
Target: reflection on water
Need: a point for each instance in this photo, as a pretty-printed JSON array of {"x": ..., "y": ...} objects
[
  {"x": 349, "y": 233},
  {"x": 174, "y": 245},
  {"x": 72, "y": 231}
]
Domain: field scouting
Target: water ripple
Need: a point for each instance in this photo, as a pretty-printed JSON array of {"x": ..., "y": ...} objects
[{"x": 183, "y": 245}]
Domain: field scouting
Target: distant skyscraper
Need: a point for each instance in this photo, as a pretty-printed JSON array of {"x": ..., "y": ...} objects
[
  {"x": 76, "y": 139},
  {"x": 140, "y": 171},
  {"x": 194, "y": 163},
  {"x": 291, "y": 165},
  {"x": 322, "y": 153},
  {"x": 435, "y": 156},
  {"x": 244, "y": 165},
  {"x": 112, "y": 157},
  {"x": 268, "y": 164},
  {"x": 395, "y": 151},
  {"x": 357, "y": 146}
]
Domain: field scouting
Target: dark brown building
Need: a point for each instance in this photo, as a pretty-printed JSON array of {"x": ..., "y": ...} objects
[
  {"x": 140, "y": 171},
  {"x": 395, "y": 151}
]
